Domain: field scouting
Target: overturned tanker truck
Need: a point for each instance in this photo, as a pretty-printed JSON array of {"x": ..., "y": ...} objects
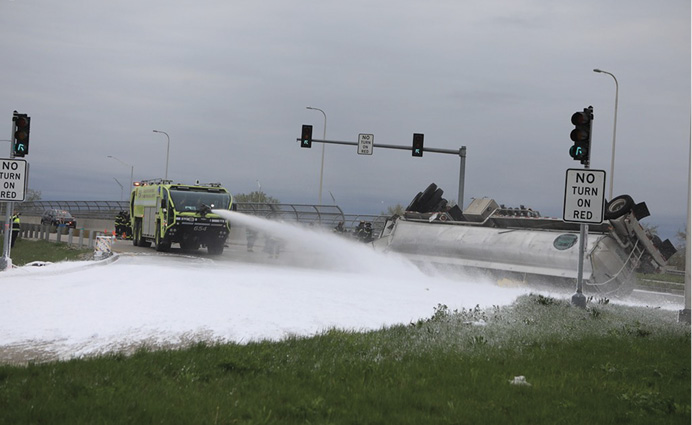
[{"x": 518, "y": 245}]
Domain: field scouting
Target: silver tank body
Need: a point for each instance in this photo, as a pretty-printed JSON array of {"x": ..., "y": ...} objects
[{"x": 533, "y": 255}]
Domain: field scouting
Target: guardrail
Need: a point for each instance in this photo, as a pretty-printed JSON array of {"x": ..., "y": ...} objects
[
  {"x": 322, "y": 215},
  {"x": 81, "y": 238}
]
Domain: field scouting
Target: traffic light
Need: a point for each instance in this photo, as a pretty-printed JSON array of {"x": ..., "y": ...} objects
[
  {"x": 306, "y": 136},
  {"x": 417, "y": 149},
  {"x": 581, "y": 135},
  {"x": 20, "y": 137}
]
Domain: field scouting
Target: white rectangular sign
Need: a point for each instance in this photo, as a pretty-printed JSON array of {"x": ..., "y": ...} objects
[
  {"x": 365, "y": 144},
  {"x": 13, "y": 178},
  {"x": 584, "y": 196}
]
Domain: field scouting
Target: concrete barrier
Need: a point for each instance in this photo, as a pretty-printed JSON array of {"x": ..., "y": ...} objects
[{"x": 79, "y": 238}]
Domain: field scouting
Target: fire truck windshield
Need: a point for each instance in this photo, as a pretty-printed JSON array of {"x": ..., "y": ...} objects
[{"x": 187, "y": 200}]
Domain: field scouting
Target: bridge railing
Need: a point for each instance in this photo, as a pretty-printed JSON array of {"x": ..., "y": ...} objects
[
  {"x": 79, "y": 209},
  {"x": 327, "y": 216}
]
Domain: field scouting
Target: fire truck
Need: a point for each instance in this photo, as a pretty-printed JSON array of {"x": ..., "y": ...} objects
[{"x": 164, "y": 213}]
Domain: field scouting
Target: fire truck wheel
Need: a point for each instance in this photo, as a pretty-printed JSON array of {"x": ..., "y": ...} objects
[
  {"x": 618, "y": 207},
  {"x": 137, "y": 234},
  {"x": 161, "y": 244}
]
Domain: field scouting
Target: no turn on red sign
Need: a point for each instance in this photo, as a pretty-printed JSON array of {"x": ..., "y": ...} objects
[
  {"x": 365, "y": 144},
  {"x": 13, "y": 179},
  {"x": 584, "y": 196}
]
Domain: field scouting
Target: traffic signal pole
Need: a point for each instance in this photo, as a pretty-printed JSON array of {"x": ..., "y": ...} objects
[
  {"x": 461, "y": 152},
  {"x": 581, "y": 151}
]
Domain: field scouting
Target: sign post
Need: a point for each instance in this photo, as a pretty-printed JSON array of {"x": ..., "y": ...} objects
[{"x": 584, "y": 204}]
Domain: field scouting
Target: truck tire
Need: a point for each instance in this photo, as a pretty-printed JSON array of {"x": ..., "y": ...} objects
[
  {"x": 137, "y": 233},
  {"x": 432, "y": 202},
  {"x": 161, "y": 244},
  {"x": 414, "y": 203},
  {"x": 141, "y": 241},
  {"x": 425, "y": 198},
  {"x": 618, "y": 207}
]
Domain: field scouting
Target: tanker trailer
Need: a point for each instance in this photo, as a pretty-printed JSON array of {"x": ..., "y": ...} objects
[{"x": 518, "y": 245}]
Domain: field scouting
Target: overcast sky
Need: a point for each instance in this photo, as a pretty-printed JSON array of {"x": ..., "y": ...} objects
[{"x": 229, "y": 81}]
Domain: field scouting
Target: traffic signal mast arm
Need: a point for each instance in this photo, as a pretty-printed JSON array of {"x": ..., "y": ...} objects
[
  {"x": 461, "y": 152},
  {"x": 385, "y": 146}
]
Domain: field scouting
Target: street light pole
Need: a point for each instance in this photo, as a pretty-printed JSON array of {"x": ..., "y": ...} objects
[
  {"x": 132, "y": 169},
  {"x": 168, "y": 148},
  {"x": 615, "y": 123},
  {"x": 324, "y": 137},
  {"x": 121, "y": 188}
]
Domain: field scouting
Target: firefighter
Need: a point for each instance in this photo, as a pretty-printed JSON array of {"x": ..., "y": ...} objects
[
  {"x": 367, "y": 233},
  {"x": 360, "y": 230},
  {"x": 122, "y": 224},
  {"x": 16, "y": 227}
]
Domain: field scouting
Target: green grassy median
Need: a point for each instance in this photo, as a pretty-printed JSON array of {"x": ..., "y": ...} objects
[
  {"x": 26, "y": 250},
  {"x": 603, "y": 364}
]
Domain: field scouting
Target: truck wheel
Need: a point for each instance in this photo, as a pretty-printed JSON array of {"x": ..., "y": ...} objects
[
  {"x": 414, "y": 202},
  {"x": 432, "y": 202},
  {"x": 425, "y": 197},
  {"x": 161, "y": 244},
  {"x": 618, "y": 207},
  {"x": 136, "y": 233},
  {"x": 142, "y": 242}
]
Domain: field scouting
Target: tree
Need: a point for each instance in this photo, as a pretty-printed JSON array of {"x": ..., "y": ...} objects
[
  {"x": 678, "y": 259},
  {"x": 255, "y": 197},
  {"x": 32, "y": 195},
  {"x": 653, "y": 230},
  {"x": 682, "y": 237},
  {"x": 397, "y": 209}
]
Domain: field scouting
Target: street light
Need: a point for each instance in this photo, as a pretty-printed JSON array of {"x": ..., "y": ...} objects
[
  {"x": 168, "y": 148},
  {"x": 324, "y": 137},
  {"x": 132, "y": 168},
  {"x": 615, "y": 123},
  {"x": 121, "y": 188}
]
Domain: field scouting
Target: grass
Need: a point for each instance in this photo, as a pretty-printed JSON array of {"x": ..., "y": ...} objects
[
  {"x": 26, "y": 251},
  {"x": 662, "y": 277},
  {"x": 603, "y": 364}
]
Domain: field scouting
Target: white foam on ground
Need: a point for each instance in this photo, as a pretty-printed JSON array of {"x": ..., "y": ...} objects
[
  {"x": 71, "y": 310},
  {"x": 327, "y": 281}
]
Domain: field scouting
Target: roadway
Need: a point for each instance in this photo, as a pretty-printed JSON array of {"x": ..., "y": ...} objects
[{"x": 236, "y": 251}]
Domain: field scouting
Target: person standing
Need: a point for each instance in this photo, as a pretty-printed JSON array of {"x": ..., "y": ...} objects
[{"x": 16, "y": 227}]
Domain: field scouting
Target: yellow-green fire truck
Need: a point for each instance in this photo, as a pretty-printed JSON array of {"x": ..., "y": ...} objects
[{"x": 164, "y": 213}]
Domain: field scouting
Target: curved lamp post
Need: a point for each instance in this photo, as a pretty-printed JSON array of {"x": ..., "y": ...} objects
[
  {"x": 615, "y": 123},
  {"x": 324, "y": 137},
  {"x": 132, "y": 168},
  {"x": 168, "y": 148}
]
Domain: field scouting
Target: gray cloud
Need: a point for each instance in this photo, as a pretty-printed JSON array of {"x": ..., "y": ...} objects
[{"x": 229, "y": 82}]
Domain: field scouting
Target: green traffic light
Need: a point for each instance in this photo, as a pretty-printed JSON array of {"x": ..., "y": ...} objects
[{"x": 581, "y": 135}]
